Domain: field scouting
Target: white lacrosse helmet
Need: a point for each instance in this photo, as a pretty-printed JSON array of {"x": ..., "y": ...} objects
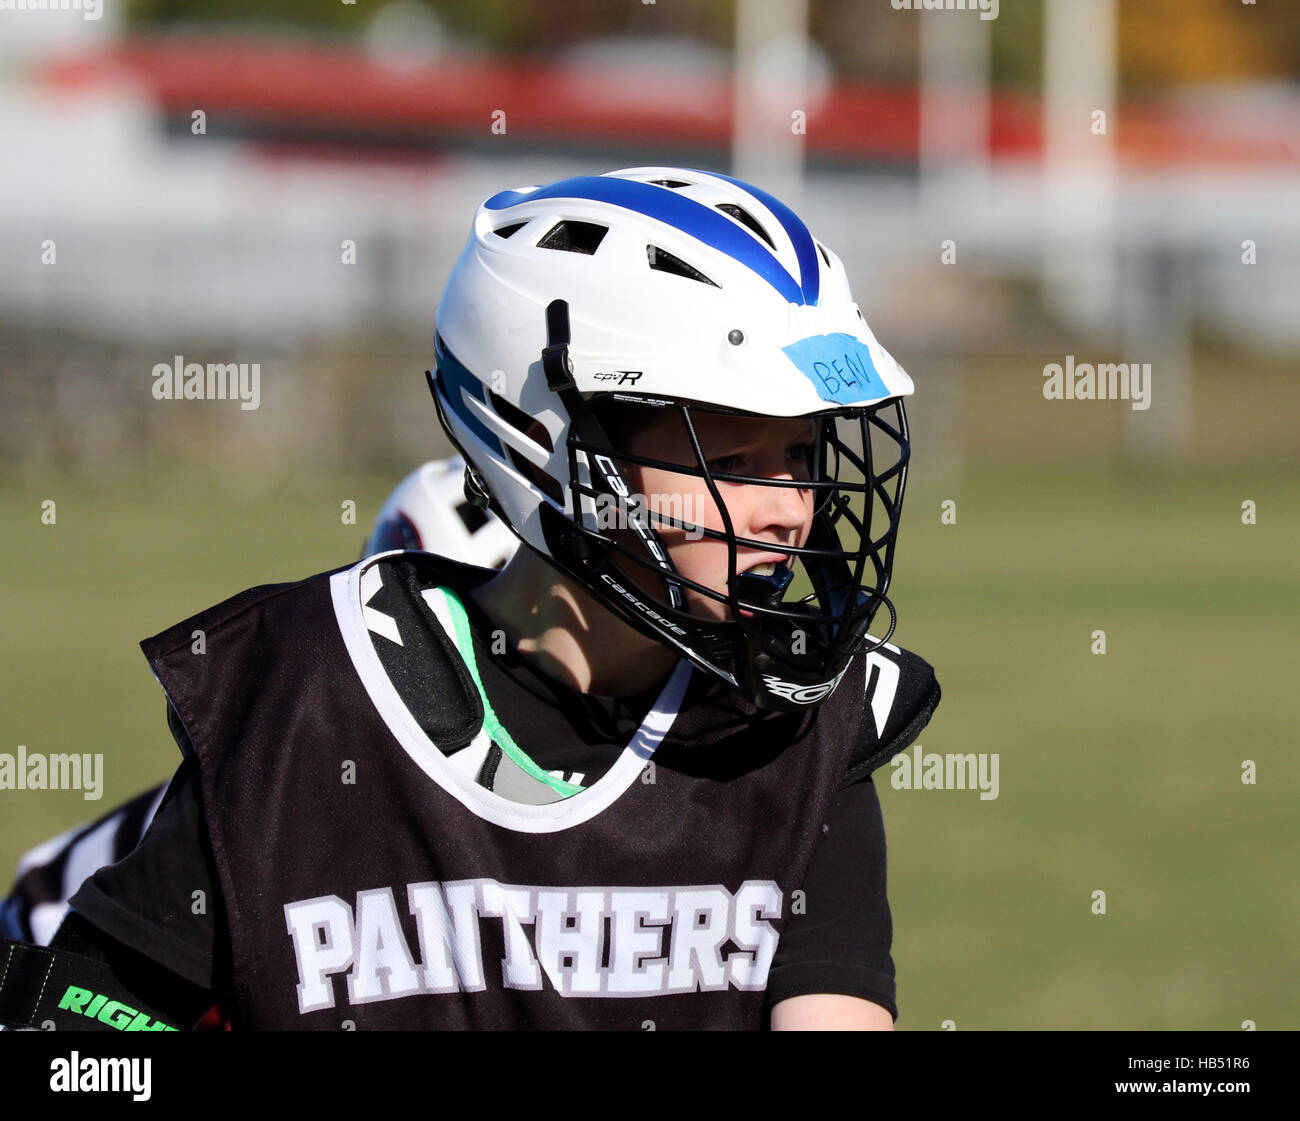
[
  {"x": 428, "y": 510},
  {"x": 671, "y": 288}
]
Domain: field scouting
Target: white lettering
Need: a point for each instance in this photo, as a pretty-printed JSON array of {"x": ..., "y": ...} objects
[{"x": 584, "y": 941}]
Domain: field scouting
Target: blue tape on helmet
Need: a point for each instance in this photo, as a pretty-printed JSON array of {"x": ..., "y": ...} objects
[{"x": 839, "y": 366}]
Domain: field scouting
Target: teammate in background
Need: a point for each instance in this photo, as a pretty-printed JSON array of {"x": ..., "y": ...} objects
[
  {"x": 369, "y": 802},
  {"x": 426, "y": 510}
]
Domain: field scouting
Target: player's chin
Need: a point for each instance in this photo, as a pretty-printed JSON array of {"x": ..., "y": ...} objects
[{"x": 712, "y": 610}]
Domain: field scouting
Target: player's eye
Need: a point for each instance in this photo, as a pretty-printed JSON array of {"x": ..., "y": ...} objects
[{"x": 732, "y": 464}]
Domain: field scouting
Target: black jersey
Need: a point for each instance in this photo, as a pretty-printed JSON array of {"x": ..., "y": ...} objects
[{"x": 371, "y": 875}]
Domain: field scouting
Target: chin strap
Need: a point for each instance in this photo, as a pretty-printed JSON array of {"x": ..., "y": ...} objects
[{"x": 558, "y": 367}]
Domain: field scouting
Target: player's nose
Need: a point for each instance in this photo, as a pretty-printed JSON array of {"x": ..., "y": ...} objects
[{"x": 781, "y": 513}]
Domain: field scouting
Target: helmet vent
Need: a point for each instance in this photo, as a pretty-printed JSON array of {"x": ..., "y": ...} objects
[
  {"x": 517, "y": 418},
  {"x": 746, "y": 219},
  {"x": 663, "y": 261},
  {"x": 574, "y": 237},
  {"x": 671, "y": 183},
  {"x": 548, "y": 483},
  {"x": 825, "y": 257},
  {"x": 506, "y": 231},
  {"x": 471, "y": 517}
]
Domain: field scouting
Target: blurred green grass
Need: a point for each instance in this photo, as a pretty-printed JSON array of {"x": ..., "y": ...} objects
[
  {"x": 1118, "y": 773},
  {"x": 124, "y": 560}
]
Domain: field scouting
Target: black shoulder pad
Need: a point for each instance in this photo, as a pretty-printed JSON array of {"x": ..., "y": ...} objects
[
  {"x": 44, "y": 987},
  {"x": 901, "y": 696},
  {"x": 447, "y": 706}
]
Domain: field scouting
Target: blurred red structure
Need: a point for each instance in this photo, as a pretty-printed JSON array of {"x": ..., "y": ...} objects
[
  {"x": 277, "y": 86},
  {"x": 283, "y": 88}
]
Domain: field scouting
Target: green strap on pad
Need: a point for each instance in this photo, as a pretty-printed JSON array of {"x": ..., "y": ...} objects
[
  {"x": 43, "y": 988},
  {"x": 465, "y": 644}
]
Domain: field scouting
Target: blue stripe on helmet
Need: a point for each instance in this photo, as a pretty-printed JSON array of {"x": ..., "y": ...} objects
[
  {"x": 804, "y": 247},
  {"x": 702, "y": 222},
  {"x": 454, "y": 377}
]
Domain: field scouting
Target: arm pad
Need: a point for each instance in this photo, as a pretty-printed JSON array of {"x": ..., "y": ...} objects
[{"x": 42, "y": 987}]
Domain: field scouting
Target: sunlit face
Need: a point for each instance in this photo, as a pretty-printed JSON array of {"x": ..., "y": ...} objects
[{"x": 767, "y": 447}]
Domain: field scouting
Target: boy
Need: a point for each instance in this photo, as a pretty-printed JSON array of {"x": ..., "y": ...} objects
[{"x": 371, "y": 754}]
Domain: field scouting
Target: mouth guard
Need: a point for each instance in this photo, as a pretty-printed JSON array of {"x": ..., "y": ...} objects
[{"x": 764, "y": 590}]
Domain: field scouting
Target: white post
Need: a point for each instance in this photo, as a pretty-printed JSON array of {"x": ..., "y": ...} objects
[
  {"x": 1156, "y": 316},
  {"x": 955, "y": 56},
  {"x": 771, "y": 88},
  {"x": 1079, "y": 111},
  {"x": 33, "y": 35}
]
